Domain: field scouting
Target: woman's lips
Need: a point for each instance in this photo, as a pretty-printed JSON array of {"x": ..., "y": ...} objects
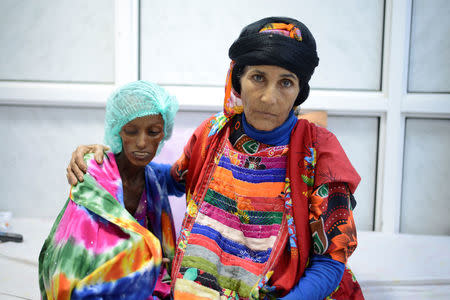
[
  {"x": 266, "y": 114},
  {"x": 141, "y": 155}
]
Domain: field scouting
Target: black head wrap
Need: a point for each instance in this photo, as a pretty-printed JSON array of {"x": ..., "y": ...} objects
[{"x": 264, "y": 48}]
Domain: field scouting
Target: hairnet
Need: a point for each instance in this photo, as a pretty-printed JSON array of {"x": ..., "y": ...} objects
[{"x": 134, "y": 100}]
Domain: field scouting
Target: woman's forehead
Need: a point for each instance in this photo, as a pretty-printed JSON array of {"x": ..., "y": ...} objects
[
  {"x": 270, "y": 70},
  {"x": 147, "y": 120}
]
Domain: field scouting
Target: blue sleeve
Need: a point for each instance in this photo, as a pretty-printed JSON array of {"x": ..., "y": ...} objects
[
  {"x": 162, "y": 171},
  {"x": 319, "y": 280}
]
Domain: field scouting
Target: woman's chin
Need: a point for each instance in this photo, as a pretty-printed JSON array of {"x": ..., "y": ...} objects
[
  {"x": 265, "y": 126},
  {"x": 140, "y": 163},
  {"x": 263, "y": 122},
  {"x": 141, "y": 160}
]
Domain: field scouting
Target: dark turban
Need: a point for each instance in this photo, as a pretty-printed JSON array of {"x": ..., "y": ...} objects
[{"x": 261, "y": 43}]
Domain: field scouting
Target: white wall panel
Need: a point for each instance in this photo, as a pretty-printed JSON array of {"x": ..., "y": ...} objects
[
  {"x": 426, "y": 174},
  {"x": 429, "y": 65},
  {"x": 70, "y": 41},
  {"x": 36, "y": 147},
  {"x": 359, "y": 138},
  {"x": 185, "y": 42}
]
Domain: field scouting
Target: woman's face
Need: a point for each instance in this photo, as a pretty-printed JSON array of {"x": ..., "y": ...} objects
[
  {"x": 141, "y": 138},
  {"x": 268, "y": 94}
]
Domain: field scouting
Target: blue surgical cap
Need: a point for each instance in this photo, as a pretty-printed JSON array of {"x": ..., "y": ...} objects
[{"x": 134, "y": 100}]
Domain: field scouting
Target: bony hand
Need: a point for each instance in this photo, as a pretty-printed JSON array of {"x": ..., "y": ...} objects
[{"x": 77, "y": 167}]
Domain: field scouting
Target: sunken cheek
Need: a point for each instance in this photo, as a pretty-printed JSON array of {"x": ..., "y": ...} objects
[{"x": 134, "y": 143}]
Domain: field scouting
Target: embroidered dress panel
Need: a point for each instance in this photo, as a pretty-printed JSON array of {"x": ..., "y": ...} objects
[{"x": 238, "y": 223}]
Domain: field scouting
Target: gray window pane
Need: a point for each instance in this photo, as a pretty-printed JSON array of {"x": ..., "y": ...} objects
[
  {"x": 187, "y": 42},
  {"x": 69, "y": 41},
  {"x": 359, "y": 138},
  {"x": 429, "y": 59},
  {"x": 37, "y": 143},
  {"x": 425, "y": 199}
]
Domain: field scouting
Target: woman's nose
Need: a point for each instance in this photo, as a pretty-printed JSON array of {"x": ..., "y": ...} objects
[
  {"x": 140, "y": 142},
  {"x": 269, "y": 95}
]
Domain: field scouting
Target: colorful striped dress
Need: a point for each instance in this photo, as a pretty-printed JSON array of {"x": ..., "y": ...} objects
[
  {"x": 256, "y": 213},
  {"x": 240, "y": 228}
]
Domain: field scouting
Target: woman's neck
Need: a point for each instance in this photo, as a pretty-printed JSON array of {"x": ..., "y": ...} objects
[
  {"x": 133, "y": 182},
  {"x": 276, "y": 137},
  {"x": 128, "y": 171}
]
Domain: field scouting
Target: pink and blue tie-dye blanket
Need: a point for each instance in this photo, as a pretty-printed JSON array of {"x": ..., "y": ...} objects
[{"x": 96, "y": 249}]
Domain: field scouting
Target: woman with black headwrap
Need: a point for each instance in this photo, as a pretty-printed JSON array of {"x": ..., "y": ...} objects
[{"x": 269, "y": 197}]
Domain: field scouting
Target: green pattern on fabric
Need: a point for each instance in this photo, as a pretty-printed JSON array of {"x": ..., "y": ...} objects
[
  {"x": 61, "y": 258},
  {"x": 251, "y": 146},
  {"x": 318, "y": 245},
  {"x": 84, "y": 192},
  {"x": 245, "y": 216},
  {"x": 323, "y": 190},
  {"x": 309, "y": 181},
  {"x": 49, "y": 245},
  {"x": 190, "y": 274},
  {"x": 225, "y": 282},
  {"x": 93, "y": 197}
]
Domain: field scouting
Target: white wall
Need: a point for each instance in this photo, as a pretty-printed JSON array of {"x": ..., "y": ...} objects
[
  {"x": 37, "y": 144},
  {"x": 196, "y": 39},
  {"x": 62, "y": 41}
]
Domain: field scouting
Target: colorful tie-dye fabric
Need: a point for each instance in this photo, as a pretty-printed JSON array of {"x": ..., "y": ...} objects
[{"x": 96, "y": 249}]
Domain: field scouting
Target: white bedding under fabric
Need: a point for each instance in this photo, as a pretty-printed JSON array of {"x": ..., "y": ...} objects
[{"x": 19, "y": 261}]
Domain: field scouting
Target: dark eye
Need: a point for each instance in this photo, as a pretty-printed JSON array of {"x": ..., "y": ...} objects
[
  {"x": 286, "y": 83},
  {"x": 257, "y": 77},
  {"x": 154, "y": 131},
  {"x": 129, "y": 130}
]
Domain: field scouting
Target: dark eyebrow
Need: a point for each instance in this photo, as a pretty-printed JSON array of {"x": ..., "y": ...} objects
[
  {"x": 289, "y": 75},
  {"x": 259, "y": 71}
]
